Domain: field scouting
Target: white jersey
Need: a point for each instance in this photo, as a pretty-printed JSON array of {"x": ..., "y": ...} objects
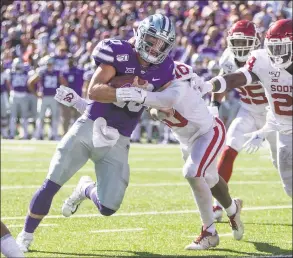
[
  {"x": 252, "y": 96},
  {"x": 278, "y": 88},
  {"x": 191, "y": 116}
]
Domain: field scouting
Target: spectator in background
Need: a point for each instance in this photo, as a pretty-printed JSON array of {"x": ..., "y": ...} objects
[{"x": 74, "y": 78}]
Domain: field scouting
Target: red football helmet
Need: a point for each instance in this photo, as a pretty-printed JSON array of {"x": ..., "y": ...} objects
[
  {"x": 242, "y": 38},
  {"x": 278, "y": 43}
]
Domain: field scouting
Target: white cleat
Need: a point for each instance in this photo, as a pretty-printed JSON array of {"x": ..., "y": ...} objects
[
  {"x": 71, "y": 204},
  {"x": 218, "y": 213},
  {"x": 204, "y": 241},
  {"x": 235, "y": 222},
  {"x": 24, "y": 241}
]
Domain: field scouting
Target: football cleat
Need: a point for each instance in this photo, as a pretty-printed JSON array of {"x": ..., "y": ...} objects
[
  {"x": 235, "y": 222},
  {"x": 24, "y": 241},
  {"x": 71, "y": 204},
  {"x": 218, "y": 213},
  {"x": 204, "y": 241}
]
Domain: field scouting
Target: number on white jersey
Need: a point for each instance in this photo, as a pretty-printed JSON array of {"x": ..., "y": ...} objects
[
  {"x": 249, "y": 94},
  {"x": 283, "y": 104}
]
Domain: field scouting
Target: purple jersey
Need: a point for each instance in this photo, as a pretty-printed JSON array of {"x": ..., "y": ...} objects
[
  {"x": 49, "y": 82},
  {"x": 121, "y": 55},
  {"x": 74, "y": 77},
  {"x": 19, "y": 81}
]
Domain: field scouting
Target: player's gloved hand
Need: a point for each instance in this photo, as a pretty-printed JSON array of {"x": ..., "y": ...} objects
[
  {"x": 66, "y": 96},
  {"x": 161, "y": 114},
  {"x": 131, "y": 94},
  {"x": 146, "y": 86},
  {"x": 255, "y": 141},
  {"x": 199, "y": 83}
]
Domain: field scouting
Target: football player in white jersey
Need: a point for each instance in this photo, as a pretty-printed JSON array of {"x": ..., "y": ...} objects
[
  {"x": 242, "y": 39},
  {"x": 201, "y": 138},
  {"x": 273, "y": 67}
]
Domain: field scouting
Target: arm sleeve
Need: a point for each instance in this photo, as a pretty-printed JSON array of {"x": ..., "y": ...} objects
[{"x": 168, "y": 97}]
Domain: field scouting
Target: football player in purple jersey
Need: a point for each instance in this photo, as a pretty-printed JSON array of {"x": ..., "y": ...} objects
[
  {"x": 102, "y": 133},
  {"x": 49, "y": 80},
  {"x": 74, "y": 77},
  {"x": 17, "y": 79},
  {"x": 4, "y": 102}
]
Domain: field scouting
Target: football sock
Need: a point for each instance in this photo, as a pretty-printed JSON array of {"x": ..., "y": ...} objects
[
  {"x": 226, "y": 161},
  {"x": 9, "y": 248},
  {"x": 216, "y": 203},
  {"x": 25, "y": 127},
  {"x": 40, "y": 204},
  {"x": 231, "y": 210},
  {"x": 203, "y": 197}
]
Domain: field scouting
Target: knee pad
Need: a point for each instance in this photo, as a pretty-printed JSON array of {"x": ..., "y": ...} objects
[
  {"x": 106, "y": 211},
  {"x": 189, "y": 170},
  {"x": 212, "y": 180}
]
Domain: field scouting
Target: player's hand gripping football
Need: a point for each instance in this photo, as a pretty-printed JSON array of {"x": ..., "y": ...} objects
[
  {"x": 66, "y": 96},
  {"x": 136, "y": 94},
  {"x": 254, "y": 143}
]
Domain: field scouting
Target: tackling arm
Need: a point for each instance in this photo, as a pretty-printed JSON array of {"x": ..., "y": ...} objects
[{"x": 234, "y": 80}]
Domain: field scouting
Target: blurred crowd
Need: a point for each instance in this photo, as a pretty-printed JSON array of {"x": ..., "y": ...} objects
[{"x": 68, "y": 31}]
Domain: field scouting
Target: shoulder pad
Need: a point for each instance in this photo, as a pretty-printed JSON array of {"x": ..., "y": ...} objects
[
  {"x": 109, "y": 51},
  {"x": 183, "y": 71}
]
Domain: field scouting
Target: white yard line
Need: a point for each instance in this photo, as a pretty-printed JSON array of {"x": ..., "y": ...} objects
[
  {"x": 117, "y": 230},
  {"x": 41, "y": 225},
  {"x": 133, "y": 214},
  {"x": 16, "y": 187}
]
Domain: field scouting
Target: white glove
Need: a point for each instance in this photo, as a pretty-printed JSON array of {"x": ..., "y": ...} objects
[
  {"x": 131, "y": 94},
  {"x": 199, "y": 83},
  {"x": 66, "y": 96},
  {"x": 255, "y": 141}
]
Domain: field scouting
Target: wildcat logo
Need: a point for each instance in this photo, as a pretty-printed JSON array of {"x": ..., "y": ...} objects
[
  {"x": 122, "y": 58},
  {"x": 129, "y": 70}
]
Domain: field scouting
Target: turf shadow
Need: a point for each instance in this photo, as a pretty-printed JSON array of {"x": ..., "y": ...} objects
[{"x": 270, "y": 248}]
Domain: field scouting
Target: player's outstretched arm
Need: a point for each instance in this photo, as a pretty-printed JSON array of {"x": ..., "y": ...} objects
[
  {"x": 164, "y": 99},
  {"x": 98, "y": 89},
  {"x": 233, "y": 80}
]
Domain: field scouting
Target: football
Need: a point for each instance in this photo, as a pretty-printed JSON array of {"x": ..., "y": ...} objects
[{"x": 124, "y": 81}]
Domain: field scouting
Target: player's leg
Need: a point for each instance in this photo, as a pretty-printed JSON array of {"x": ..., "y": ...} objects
[
  {"x": 136, "y": 134},
  {"x": 42, "y": 106},
  {"x": 71, "y": 154},
  {"x": 272, "y": 140},
  {"x": 4, "y": 115},
  {"x": 55, "y": 110},
  {"x": 9, "y": 247},
  {"x": 112, "y": 172},
  {"x": 13, "y": 116},
  {"x": 66, "y": 117},
  {"x": 203, "y": 152},
  {"x": 24, "y": 112},
  {"x": 284, "y": 145},
  {"x": 242, "y": 124},
  {"x": 33, "y": 109}
]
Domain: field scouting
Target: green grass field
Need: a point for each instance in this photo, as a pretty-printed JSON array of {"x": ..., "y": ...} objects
[{"x": 158, "y": 216}]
